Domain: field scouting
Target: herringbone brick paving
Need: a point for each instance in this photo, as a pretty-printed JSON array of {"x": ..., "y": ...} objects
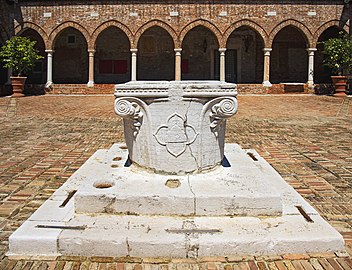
[{"x": 308, "y": 140}]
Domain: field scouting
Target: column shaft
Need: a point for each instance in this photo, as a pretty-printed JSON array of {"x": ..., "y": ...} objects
[
  {"x": 178, "y": 70},
  {"x": 266, "y": 73},
  {"x": 91, "y": 68},
  {"x": 311, "y": 52},
  {"x": 222, "y": 64},
  {"x": 134, "y": 64},
  {"x": 49, "y": 80}
]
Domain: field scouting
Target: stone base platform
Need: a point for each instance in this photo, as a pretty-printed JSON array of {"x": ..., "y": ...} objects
[
  {"x": 238, "y": 188},
  {"x": 107, "y": 209}
]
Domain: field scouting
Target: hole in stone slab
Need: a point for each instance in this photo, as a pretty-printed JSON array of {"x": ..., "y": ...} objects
[
  {"x": 304, "y": 214},
  {"x": 103, "y": 184},
  {"x": 173, "y": 183},
  {"x": 68, "y": 198},
  {"x": 117, "y": 158},
  {"x": 124, "y": 147},
  {"x": 114, "y": 166},
  {"x": 251, "y": 155}
]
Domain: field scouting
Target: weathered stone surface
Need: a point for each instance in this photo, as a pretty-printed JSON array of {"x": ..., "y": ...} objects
[
  {"x": 176, "y": 127},
  {"x": 168, "y": 235},
  {"x": 237, "y": 190}
]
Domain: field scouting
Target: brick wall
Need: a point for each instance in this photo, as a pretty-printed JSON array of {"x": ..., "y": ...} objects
[{"x": 50, "y": 17}]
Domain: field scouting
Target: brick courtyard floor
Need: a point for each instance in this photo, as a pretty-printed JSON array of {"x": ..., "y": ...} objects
[{"x": 308, "y": 140}]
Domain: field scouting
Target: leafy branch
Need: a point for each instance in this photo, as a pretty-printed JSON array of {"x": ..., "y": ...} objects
[
  {"x": 338, "y": 53},
  {"x": 20, "y": 55}
]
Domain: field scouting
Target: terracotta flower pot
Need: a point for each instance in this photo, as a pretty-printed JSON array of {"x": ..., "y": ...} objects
[
  {"x": 340, "y": 84},
  {"x": 18, "y": 85}
]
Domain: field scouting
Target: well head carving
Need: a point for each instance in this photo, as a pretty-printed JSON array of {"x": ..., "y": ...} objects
[{"x": 175, "y": 127}]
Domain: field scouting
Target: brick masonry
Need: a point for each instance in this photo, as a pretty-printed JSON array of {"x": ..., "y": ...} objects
[{"x": 134, "y": 18}]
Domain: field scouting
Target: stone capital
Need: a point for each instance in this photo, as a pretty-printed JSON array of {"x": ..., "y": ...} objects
[
  {"x": 222, "y": 50},
  {"x": 49, "y": 51},
  {"x": 312, "y": 49},
  {"x": 133, "y": 50}
]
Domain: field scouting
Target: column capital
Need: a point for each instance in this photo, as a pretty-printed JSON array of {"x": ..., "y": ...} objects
[
  {"x": 133, "y": 50},
  {"x": 312, "y": 49},
  {"x": 267, "y": 50},
  {"x": 49, "y": 51},
  {"x": 178, "y": 50},
  {"x": 91, "y": 50},
  {"x": 222, "y": 50}
]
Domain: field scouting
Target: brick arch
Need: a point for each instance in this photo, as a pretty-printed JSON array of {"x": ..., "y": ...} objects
[
  {"x": 210, "y": 26},
  {"x": 304, "y": 30},
  {"x": 322, "y": 28},
  {"x": 28, "y": 25},
  {"x": 159, "y": 23},
  {"x": 106, "y": 25},
  {"x": 256, "y": 27},
  {"x": 55, "y": 33}
]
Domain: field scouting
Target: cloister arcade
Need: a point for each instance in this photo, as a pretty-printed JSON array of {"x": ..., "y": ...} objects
[{"x": 244, "y": 53}]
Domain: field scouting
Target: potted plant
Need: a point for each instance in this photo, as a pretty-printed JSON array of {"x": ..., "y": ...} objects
[
  {"x": 19, "y": 55},
  {"x": 338, "y": 53}
]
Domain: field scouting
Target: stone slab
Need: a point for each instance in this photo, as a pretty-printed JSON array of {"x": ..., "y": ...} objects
[
  {"x": 173, "y": 236},
  {"x": 226, "y": 191},
  {"x": 52, "y": 210},
  {"x": 28, "y": 240}
]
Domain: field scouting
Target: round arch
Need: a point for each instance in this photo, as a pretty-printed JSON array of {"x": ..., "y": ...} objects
[
  {"x": 254, "y": 26},
  {"x": 112, "y": 58},
  {"x": 56, "y": 32},
  {"x": 39, "y": 72},
  {"x": 289, "y": 59},
  {"x": 323, "y": 73},
  {"x": 28, "y": 25},
  {"x": 70, "y": 59},
  {"x": 322, "y": 28},
  {"x": 106, "y": 25},
  {"x": 151, "y": 24},
  {"x": 210, "y": 26},
  {"x": 156, "y": 55},
  {"x": 301, "y": 27}
]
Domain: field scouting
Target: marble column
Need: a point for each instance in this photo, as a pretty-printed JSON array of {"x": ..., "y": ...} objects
[
  {"x": 49, "y": 80},
  {"x": 134, "y": 64},
  {"x": 266, "y": 77},
  {"x": 311, "y": 52},
  {"x": 178, "y": 70},
  {"x": 91, "y": 68},
  {"x": 222, "y": 64}
]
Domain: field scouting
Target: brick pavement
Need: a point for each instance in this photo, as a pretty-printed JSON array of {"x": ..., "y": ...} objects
[{"x": 308, "y": 139}]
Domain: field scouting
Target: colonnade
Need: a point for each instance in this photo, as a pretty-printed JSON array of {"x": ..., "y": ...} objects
[{"x": 178, "y": 71}]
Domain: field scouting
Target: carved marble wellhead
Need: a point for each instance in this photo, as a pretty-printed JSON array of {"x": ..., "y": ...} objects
[{"x": 175, "y": 127}]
